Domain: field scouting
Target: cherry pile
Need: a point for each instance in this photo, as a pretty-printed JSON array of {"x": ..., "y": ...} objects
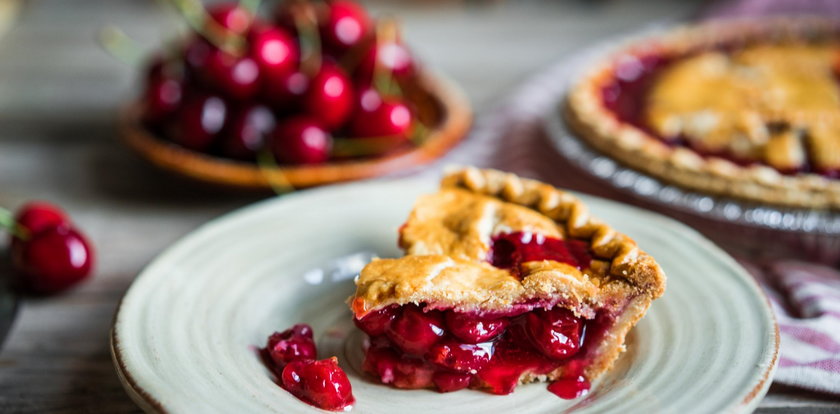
[
  {"x": 292, "y": 86},
  {"x": 412, "y": 347},
  {"x": 292, "y": 354},
  {"x": 48, "y": 253}
]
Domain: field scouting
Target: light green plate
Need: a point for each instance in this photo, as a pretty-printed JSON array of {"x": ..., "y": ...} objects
[{"x": 185, "y": 335}]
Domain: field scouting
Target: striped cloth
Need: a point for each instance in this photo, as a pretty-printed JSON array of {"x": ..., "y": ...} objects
[{"x": 805, "y": 297}]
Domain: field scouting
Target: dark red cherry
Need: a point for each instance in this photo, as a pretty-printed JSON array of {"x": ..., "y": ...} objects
[
  {"x": 293, "y": 344},
  {"x": 393, "y": 57},
  {"x": 235, "y": 77},
  {"x": 374, "y": 323},
  {"x": 301, "y": 140},
  {"x": 474, "y": 329},
  {"x": 570, "y": 388},
  {"x": 37, "y": 216},
  {"x": 161, "y": 99},
  {"x": 415, "y": 331},
  {"x": 247, "y": 131},
  {"x": 412, "y": 374},
  {"x": 232, "y": 17},
  {"x": 330, "y": 96},
  {"x": 380, "y": 117},
  {"x": 274, "y": 50},
  {"x": 196, "y": 54},
  {"x": 451, "y": 381},
  {"x": 284, "y": 90},
  {"x": 556, "y": 332},
  {"x": 460, "y": 357},
  {"x": 344, "y": 27},
  {"x": 199, "y": 121},
  {"x": 320, "y": 383},
  {"x": 53, "y": 259}
]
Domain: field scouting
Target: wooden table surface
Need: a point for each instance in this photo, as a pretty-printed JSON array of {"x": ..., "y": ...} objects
[{"x": 58, "y": 98}]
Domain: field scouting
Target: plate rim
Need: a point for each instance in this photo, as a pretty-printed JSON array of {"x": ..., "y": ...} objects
[{"x": 148, "y": 403}]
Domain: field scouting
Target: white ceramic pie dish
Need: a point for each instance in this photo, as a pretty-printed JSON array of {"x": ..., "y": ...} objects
[{"x": 185, "y": 335}]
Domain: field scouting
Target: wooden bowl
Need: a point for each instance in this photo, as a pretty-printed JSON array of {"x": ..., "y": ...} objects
[{"x": 439, "y": 103}]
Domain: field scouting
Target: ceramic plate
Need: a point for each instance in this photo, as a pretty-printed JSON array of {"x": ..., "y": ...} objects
[{"x": 185, "y": 335}]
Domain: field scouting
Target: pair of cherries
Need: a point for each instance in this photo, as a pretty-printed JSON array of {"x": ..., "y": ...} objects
[
  {"x": 48, "y": 253},
  {"x": 323, "y": 384},
  {"x": 267, "y": 98}
]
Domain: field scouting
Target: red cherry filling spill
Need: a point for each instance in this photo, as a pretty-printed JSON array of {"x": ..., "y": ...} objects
[
  {"x": 416, "y": 351},
  {"x": 293, "y": 344},
  {"x": 301, "y": 140},
  {"x": 320, "y": 383},
  {"x": 510, "y": 250},
  {"x": 570, "y": 388},
  {"x": 52, "y": 259},
  {"x": 415, "y": 331},
  {"x": 556, "y": 332}
]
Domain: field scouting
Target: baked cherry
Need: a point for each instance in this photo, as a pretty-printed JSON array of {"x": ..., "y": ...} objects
[
  {"x": 393, "y": 58},
  {"x": 37, "y": 216},
  {"x": 455, "y": 356},
  {"x": 329, "y": 97},
  {"x": 451, "y": 381},
  {"x": 345, "y": 25},
  {"x": 414, "y": 331},
  {"x": 320, "y": 383},
  {"x": 570, "y": 388},
  {"x": 374, "y": 323},
  {"x": 247, "y": 131},
  {"x": 199, "y": 121},
  {"x": 231, "y": 16},
  {"x": 381, "y": 117},
  {"x": 301, "y": 140},
  {"x": 412, "y": 374},
  {"x": 52, "y": 259},
  {"x": 555, "y": 332},
  {"x": 235, "y": 77},
  {"x": 293, "y": 344},
  {"x": 274, "y": 50},
  {"x": 474, "y": 329}
]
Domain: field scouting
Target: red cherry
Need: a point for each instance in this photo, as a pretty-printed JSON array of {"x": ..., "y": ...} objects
[
  {"x": 474, "y": 329},
  {"x": 412, "y": 374},
  {"x": 556, "y": 332},
  {"x": 320, "y": 383},
  {"x": 394, "y": 57},
  {"x": 37, "y": 216},
  {"x": 235, "y": 77},
  {"x": 232, "y": 17},
  {"x": 161, "y": 99},
  {"x": 382, "y": 362},
  {"x": 570, "y": 388},
  {"x": 284, "y": 90},
  {"x": 345, "y": 25},
  {"x": 301, "y": 140},
  {"x": 374, "y": 323},
  {"x": 199, "y": 121},
  {"x": 274, "y": 50},
  {"x": 246, "y": 132},
  {"x": 196, "y": 54},
  {"x": 292, "y": 344},
  {"x": 451, "y": 381},
  {"x": 460, "y": 357},
  {"x": 414, "y": 331},
  {"x": 53, "y": 259},
  {"x": 329, "y": 98},
  {"x": 380, "y": 117}
]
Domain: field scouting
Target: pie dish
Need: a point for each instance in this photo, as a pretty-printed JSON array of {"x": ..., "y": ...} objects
[
  {"x": 748, "y": 109},
  {"x": 504, "y": 281}
]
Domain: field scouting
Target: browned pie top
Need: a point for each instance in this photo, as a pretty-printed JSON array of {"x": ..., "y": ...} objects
[{"x": 448, "y": 236}]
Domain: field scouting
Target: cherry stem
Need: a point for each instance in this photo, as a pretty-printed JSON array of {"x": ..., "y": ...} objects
[
  {"x": 120, "y": 46},
  {"x": 7, "y": 221},
  {"x": 197, "y": 18},
  {"x": 303, "y": 14},
  {"x": 272, "y": 172},
  {"x": 387, "y": 32}
]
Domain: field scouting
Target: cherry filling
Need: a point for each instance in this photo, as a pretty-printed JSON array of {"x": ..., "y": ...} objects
[
  {"x": 416, "y": 347},
  {"x": 291, "y": 356},
  {"x": 510, "y": 250}
]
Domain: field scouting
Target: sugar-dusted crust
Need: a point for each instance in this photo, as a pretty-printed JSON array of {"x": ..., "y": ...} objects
[
  {"x": 587, "y": 115},
  {"x": 446, "y": 240}
]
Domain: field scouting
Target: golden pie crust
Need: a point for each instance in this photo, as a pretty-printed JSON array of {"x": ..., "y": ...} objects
[
  {"x": 774, "y": 100},
  {"x": 447, "y": 239}
]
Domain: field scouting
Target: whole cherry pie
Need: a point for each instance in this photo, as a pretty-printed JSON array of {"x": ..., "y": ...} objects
[
  {"x": 743, "y": 109},
  {"x": 504, "y": 281}
]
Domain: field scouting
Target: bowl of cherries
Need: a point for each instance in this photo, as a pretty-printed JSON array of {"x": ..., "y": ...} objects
[{"x": 318, "y": 92}]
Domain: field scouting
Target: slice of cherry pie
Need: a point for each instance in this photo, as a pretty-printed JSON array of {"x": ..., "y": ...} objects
[{"x": 504, "y": 281}]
